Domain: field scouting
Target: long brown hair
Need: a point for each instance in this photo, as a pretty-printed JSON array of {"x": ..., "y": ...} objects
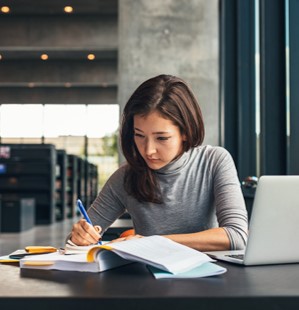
[{"x": 174, "y": 100}]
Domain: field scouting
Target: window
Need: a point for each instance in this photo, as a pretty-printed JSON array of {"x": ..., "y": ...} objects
[
  {"x": 88, "y": 131},
  {"x": 259, "y": 97}
]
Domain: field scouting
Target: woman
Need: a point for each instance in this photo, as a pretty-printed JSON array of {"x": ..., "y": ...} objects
[{"x": 170, "y": 185}]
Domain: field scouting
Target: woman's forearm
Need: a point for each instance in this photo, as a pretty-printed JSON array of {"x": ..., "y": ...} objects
[{"x": 214, "y": 239}]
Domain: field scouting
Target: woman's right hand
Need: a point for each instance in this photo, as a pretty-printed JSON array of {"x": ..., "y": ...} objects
[{"x": 85, "y": 234}]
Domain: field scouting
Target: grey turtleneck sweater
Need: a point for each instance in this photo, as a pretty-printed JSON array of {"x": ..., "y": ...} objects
[{"x": 201, "y": 190}]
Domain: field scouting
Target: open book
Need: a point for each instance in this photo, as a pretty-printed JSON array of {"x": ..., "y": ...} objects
[
  {"x": 155, "y": 251},
  {"x": 72, "y": 262},
  {"x": 73, "y": 258}
]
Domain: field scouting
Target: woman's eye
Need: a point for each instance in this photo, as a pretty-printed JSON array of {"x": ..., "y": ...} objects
[
  {"x": 163, "y": 138},
  {"x": 138, "y": 135}
]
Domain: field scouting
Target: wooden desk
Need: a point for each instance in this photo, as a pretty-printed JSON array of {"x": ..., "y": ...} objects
[{"x": 133, "y": 287}]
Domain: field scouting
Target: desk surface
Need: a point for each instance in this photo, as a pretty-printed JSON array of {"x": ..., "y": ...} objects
[{"x": 133, "y": 287}]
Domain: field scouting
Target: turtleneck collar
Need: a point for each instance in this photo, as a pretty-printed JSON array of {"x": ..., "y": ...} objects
[{"x": 175, "y": 165}]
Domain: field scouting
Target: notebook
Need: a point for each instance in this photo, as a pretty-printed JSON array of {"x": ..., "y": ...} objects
[{"x": 273, "y": 227}]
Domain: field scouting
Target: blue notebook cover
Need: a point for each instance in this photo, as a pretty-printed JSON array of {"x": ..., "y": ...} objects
[{"x": 205, "y": 270}]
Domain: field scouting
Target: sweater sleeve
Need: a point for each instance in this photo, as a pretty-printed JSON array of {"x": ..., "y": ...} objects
[{"x": 229, "y": 201}]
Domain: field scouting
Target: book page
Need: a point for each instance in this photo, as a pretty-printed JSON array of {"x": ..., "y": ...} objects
[
  {"x": 78, "y": 258},
  {"x": 160, "y": 252},
  {"x": 59, "y": 261},
  {"x": 72, "y": 248}
]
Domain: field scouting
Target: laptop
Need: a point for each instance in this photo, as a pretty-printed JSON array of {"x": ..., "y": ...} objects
[{"x": 273, "y": 227}]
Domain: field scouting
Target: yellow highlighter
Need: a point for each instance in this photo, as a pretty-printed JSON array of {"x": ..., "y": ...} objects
[
  {"x": 31, "y": 250},
  {"x": 35, "y": 249}
]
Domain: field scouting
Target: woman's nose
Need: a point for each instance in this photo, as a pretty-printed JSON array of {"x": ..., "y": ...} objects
[{"x": 150, "y": 147}]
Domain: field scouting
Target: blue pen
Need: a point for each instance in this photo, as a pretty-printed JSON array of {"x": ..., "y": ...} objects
[{"x": 84, "y": 213}]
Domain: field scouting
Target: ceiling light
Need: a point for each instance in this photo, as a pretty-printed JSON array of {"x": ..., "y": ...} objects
[
  {"x": 68, "y": 9},
  {"x": 44, "y": 56},
  {"x": 5, "y": 9},
  {"x": 91, "y": 56}
]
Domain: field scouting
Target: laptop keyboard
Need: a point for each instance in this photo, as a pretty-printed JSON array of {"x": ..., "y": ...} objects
[{"x": 237, "y": 256}]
